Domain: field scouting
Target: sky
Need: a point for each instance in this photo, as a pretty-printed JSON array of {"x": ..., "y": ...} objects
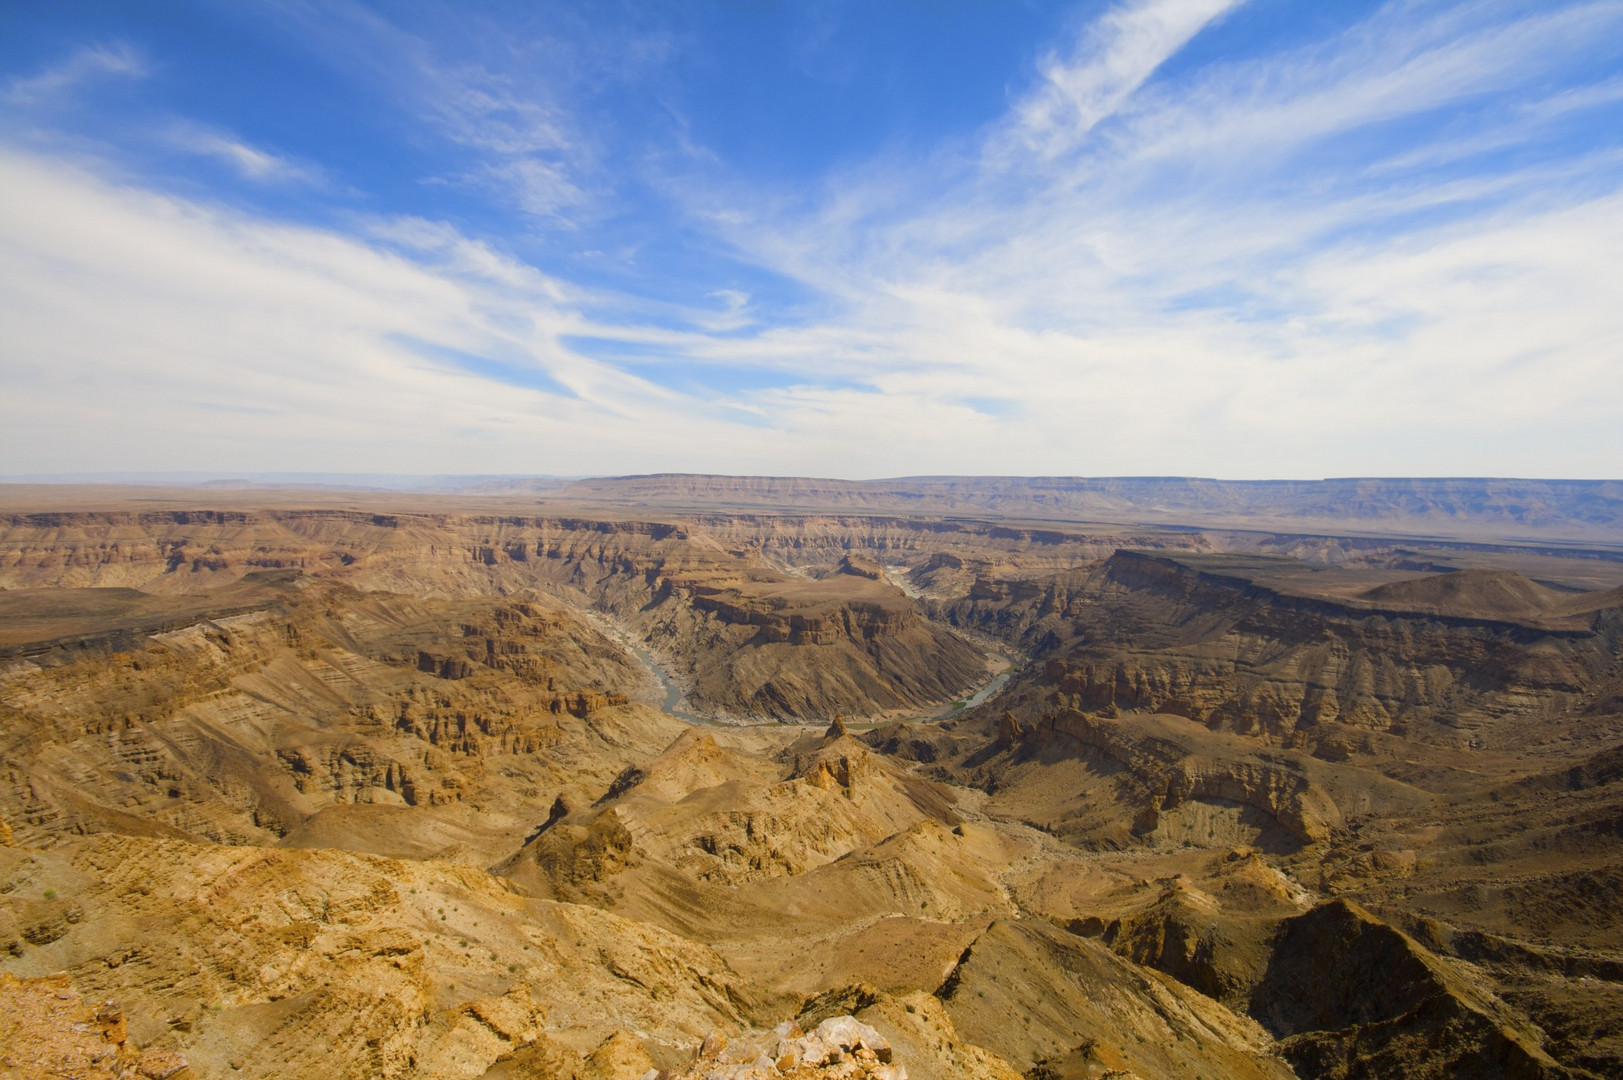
[{"x": 1235, "y": 238}]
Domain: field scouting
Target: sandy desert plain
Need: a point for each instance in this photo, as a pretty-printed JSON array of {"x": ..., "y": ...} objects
[{"x": 691, "y": 776}]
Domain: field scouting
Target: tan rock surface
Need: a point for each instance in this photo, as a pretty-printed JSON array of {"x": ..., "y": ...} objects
[
  {"x": 48, "y": 1030},
  {"x": 346, "y": 793}
]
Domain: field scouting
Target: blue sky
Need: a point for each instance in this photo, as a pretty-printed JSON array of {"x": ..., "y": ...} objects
[{"x": 1238, "y": 238}]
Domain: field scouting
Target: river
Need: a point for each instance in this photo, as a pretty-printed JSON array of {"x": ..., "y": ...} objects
[{"x": 672, "y": 692}]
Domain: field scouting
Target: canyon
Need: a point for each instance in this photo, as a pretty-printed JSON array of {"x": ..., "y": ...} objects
[{"x": 965, "y": 777}]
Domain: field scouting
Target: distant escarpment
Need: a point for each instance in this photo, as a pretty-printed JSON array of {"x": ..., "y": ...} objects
[{"x": 1428, "y": 506}]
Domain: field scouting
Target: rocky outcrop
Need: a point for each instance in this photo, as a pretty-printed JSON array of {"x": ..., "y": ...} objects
[
  {"x": 854, "y": 1031},
  {"x": 446, "y": 667},
  {"x": 774, "y": 646},
  {"x": 1167, "y": 775},
  {"x": 292, "y": 963},
  {"x": 572, "y": 857},
  {"x": 1390, "y": 1008},
  {"x": 1250, "y": 657},
  {"x": 1145, "y": 1025},
  {"x": 247, "y": 729},
  {"x": 840, "y": 1047},
  {"x": 1215, "y": 936},
  {"x": 797, "y": 612},
  {"x": 48, "y": 1030},
  {"x": 1284, "y": 794},
  {"x": 861, "y": 566}
]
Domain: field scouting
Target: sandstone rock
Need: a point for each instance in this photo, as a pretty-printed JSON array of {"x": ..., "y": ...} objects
[
  {"x": 1009, "y": 730},
  {"x": 859, "y": 566},
  {"x": 1280, "y": 666},
  {"x": 48, "y": 1030},
  {"x": 1171, "y": 775},
  {"x": 1392, "y": 1009},
  {"x": 621, "y": 1057},
  {"x": 839, "y": 1048}
]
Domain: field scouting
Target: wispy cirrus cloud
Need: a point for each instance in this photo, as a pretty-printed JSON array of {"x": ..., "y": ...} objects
[
  {"x": 1294, "y": 263},
  {"x": 250, "y": 162},
  {"x": 1111, "y": 59},
  {"x": 406, "y": 345},
  {"x": 508, "y": 99},
  {"x": 85, "y": 64}
]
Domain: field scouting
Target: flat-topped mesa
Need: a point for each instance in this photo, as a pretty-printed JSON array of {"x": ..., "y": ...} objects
[
  {"x": 861, "y": 566},
  {"x": 801, "y": 612}
]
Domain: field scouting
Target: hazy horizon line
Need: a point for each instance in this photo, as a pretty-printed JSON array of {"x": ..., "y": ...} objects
[{"x": 188, "y": 478}]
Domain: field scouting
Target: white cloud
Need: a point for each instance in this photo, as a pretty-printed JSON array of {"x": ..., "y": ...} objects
[
  {"x": 85, "y": 64},
  {"x": 508, "y": 115},
  {"x": 1403, "y": 63},
  {"x": 1112, "y": 59},
  {"x": 250, "y": 162},
  {"x": 147, "y": 326},
  {"x": 538, "y": 186}
]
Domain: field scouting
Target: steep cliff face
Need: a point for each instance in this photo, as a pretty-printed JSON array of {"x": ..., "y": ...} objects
[
  {"x": 1302, "y": 670},
  {"x": 1026, "y": 991},
  {"x": 1154, "y": 780},
  {"x": 773, "y": 646}
]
